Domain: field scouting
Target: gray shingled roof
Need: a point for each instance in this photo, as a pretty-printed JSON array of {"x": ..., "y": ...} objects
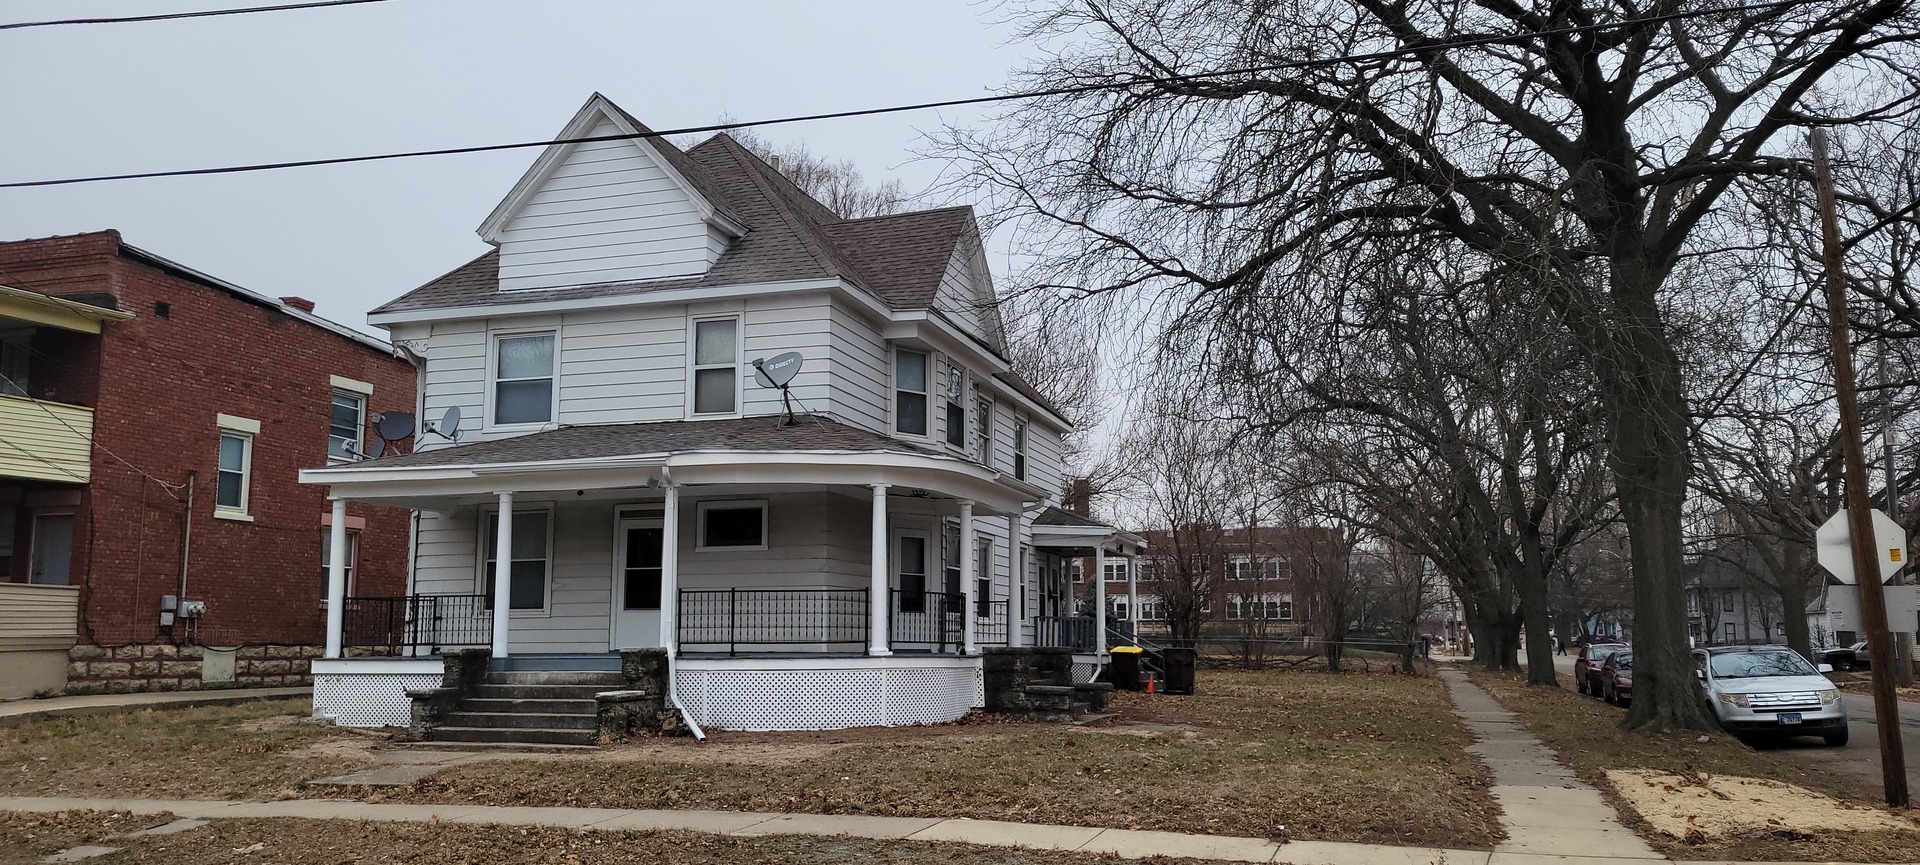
[
  {"x": 790, "y": 236},
  {"x": 1053, "y": 516},
  {"x": 809, "y": 433}
]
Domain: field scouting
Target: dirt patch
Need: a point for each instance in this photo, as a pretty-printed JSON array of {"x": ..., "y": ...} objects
[
  {"x": 1145, "y": 730},
  {"x": 1696, "y": 807}
]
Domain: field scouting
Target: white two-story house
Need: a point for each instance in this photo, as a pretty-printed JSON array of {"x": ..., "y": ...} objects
[{"x": 617, "y": 447}]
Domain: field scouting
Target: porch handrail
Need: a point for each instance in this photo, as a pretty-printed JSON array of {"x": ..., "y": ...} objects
[
  {"x": 398, "y": 625},
  {"x": 927, "y": 619},
  {"x": 798, "y": 618},
  {"x": 1064, "y": 632}
]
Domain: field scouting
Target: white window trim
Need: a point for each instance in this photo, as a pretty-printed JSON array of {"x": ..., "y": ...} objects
[
  {"x": 893, "y": 401},
  {"x": 350, "y": 385},
  {"x": 493, "y": 377},
  {"x": 359, "y": 429},
  {"x": 1022, "y": 460},
  {"x": 739, "y": 363},
  {"x": 245, "y": 429},
  {"x": 353, "y": 558},
  {"x": 946, "y": 400},
  {"x": 700, "y": 524},
  {"x": 985, "y": 416},
  {"x": 486, "y": 551}
]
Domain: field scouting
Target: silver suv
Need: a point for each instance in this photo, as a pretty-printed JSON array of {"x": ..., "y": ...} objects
[{"x": 1770, "y": 691}]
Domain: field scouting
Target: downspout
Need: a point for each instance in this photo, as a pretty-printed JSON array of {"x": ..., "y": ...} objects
[
  {"x": 673, "y": 700},
  {"x": 186, "y": 537}
]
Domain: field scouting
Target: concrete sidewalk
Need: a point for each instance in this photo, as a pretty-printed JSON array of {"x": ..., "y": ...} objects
[
  {"x": 15, "y": 712},
  {"x": 985, "y": 833}
]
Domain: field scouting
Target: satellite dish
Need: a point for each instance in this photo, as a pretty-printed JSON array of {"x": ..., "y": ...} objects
[
  {"x": 777, "y": 371},
  {"x": 448, "y": 426},
  {"x": 393, "y": 426},
  {"x": 379, "y": 447}
]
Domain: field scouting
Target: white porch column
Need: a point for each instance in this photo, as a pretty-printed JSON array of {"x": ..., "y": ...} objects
[
  {"x": 1133, "y": 597},
  {"x": 1100, "y": 598},
  {"x": 503, "y": 576},
  {"x": 670, "y": 573},
  {"x": 1017, "y": 580},
  {"x": 337, "y": 579},
  {"x": 877, "y": 599},
  {"x": 969, "y": 578}
]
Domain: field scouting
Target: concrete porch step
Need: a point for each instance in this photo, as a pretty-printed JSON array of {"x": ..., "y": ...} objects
[
  {"x": 542, "y": 692},
  {"x": 526, "y": 720},
  {"x": 517, "y": 735},
  {"x": 606, "y": 680},
  {"x": 538, "y": 706}
]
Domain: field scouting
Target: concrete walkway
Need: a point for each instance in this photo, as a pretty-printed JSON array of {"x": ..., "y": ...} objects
[
  {"x": 14, "y": 712},
  {"x": 1547, "y": 812},
  {"x": 985, "y": 833}
]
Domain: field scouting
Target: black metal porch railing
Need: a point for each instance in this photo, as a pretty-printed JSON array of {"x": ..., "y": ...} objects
[
  {"x": 415, "y": 624},
  {"x": 794, "y": 619},
  {"x": 927, "y": 621},
  {"x": 1064, "y": 632},
  {"x": 991, "y": 629}
]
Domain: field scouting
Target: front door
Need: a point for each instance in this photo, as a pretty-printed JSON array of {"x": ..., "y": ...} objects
[
  {"x": 636, "y": 585},
  {"x": 52, "y": 549}
]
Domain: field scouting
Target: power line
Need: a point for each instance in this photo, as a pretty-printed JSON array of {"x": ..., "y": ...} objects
[
  {"x": 172, "y": 16},
  {"x": 1428, "y": 48}
]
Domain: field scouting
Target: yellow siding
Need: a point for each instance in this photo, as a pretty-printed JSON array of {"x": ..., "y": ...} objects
[
  {"x": 37, "y": 617},
  {"x": 47, "y": 441}
]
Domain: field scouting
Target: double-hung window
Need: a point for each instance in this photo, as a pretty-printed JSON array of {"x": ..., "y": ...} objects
[
  {"x": 716, "y": 366},
  {"x": 529, "y": 553},
  {"x": 1020, "y": 451},
  {"x": 983, "y": 430},
  {"x": 345, "y": 426},
  {"x": 951, "y": 555},
  {"x": 233, "y": 474},
  {"x": 910, "y": 391},
  {"x": 523, "y": 379},
  {"x": 326, "y": 559},
  {"x": 983, "y": 578},
  {"x": 913, "y": 574},
  {"x": 956, "y": 411}
]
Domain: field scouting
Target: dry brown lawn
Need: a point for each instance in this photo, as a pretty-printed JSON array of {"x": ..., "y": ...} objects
[
  {"x": 25, "y": 838},
  {"x": 1366, "y": 758},
  {"x": 1586, "y": 734}
]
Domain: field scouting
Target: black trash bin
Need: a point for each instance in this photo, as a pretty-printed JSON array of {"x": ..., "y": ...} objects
[
  {"x": 1126, "y": 668},
  {"x": 1180, "y": 663}
]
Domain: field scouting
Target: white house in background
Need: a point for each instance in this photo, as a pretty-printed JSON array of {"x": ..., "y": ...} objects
[{"x": 839, "y": 569}]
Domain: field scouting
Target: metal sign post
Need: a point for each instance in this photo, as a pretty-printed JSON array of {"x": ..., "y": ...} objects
[{"x": 1873, "y": 604}]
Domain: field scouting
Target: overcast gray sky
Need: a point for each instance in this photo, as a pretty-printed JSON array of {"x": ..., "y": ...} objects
[{"x": 414, "y": 74}]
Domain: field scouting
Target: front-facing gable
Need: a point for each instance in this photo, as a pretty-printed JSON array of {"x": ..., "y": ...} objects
[{"x": 622, "y": 210}]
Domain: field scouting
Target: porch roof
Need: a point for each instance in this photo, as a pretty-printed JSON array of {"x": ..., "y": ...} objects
[
  {"x": 1060, "y": 528},
  {"x": 815, "y": 450}
]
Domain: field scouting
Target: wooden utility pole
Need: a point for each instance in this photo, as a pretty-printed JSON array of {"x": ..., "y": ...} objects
[{"x": 1866, "y": 564}]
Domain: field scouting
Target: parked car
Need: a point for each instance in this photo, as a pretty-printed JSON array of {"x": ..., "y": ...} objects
[
  {"x": 1616, "y": 678},
  {"x": 1849, "y": 658},
  {"x": 1770, "y": 691},
  {"x": 1587, "y": 666}
]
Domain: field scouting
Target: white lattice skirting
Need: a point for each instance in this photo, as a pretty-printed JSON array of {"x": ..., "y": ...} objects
[
  {"x": 370, "y": 693},
  {"x": 827, "y": 694}
]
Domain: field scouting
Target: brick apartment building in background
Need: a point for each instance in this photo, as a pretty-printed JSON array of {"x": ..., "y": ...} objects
[{"x": 153, "y": 420}]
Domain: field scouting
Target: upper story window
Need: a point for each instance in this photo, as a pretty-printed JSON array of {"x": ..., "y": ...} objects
[
  {"x": 233, "y": 473},
  {"x": 1020, "y": 451},
  {"x": 13, "y": 363},
  {"x": 523, "y": 379},
  {"x": 956, "y": 411},
  {"x": 983, "y": 430},
  {"x": 345, "y": 426},
  {"x": 716, "y": 366},
  {"x": 910, "y": 391}
]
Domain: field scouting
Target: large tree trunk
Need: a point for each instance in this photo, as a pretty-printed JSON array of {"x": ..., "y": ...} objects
[
  {"x": 1794, "y": 595},
  {"x": 1648, "y": 419},
  {"x": 1531, "y": 581}
]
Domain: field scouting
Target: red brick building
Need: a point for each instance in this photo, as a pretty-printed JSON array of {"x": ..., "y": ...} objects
[{"x": 153, "y": 420}]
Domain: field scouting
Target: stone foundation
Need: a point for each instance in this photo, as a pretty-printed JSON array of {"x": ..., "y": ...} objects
[
  {"x": 167, "y": 667},
  {"x": 1037, "y": 684},
  {"x": 642, "y": 708}
]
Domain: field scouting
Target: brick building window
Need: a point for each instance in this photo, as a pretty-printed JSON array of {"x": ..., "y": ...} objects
[
  {"x": 13, "y": 362},
  {"x": 345, "y": 426},
  {"x": 233, "y": 475},
  {"x": 326, "y": 559},
  {"x": 523, "y": 379}
]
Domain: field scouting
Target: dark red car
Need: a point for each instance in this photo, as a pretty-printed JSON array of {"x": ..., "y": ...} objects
[
  {"x": 1586, "y": 668},
  {"x": 1616, "y": 678}
]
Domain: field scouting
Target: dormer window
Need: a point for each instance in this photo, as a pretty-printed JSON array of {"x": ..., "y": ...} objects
[
  {"x": 523, "y": 379},
  {"x": 716, "y": 365},
  {"x": 910, "y": 391}
]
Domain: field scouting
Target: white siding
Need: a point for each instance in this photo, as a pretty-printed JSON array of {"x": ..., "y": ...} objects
[
  {"x": 1046, "y": 457},
  {"x": 862, "y": 373},
  {"x": 607, "y": 213},
  {"x": 624, "y": 365},
  {"x": 455, "y": 374},
  {"x": 783, "y": 323},
  {"x": 966, "y": 290},
  {"x": 814, "y": 540}
]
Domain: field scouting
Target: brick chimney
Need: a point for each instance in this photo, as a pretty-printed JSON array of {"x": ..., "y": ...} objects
[
  {"x": 299, "y": 303},
  {"x": 1080, "y": 497}
]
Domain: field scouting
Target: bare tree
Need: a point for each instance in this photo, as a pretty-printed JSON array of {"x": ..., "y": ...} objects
[{"x": 837, "y": 184}]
